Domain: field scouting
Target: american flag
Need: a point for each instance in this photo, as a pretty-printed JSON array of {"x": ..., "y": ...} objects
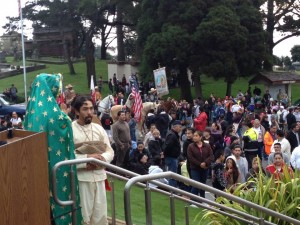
[{"x": 138, "y": 104}]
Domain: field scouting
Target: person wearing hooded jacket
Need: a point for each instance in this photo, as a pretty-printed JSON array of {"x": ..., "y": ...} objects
[{"x": 156, "y": 168}]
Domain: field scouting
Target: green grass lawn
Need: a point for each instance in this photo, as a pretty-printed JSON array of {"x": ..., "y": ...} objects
[
  {"x": 160, "y": 206},
  {"x": 80, "y": 82}
]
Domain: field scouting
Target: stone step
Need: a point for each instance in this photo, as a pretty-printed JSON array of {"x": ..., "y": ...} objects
[{"x": 118, "y": 222}]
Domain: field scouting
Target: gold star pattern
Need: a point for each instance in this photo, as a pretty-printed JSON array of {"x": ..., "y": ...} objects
[
  {"x": 37, "y": 119},
  {"x": 51, "y": 120},
  {"x": 37, "y": 84},
  {"x": 58, "y": 152},
  {"x": 54, "y": 89},
  {"x": 61, "y": 139},
  {"x": 45, "y": 113},
  {"x": 40, "y": 104},
  {"x": 41, "y": 128},
  {"x": 52, "y": 206},
  {"x": 49, "y": 99},
  {"x": 29, "y": 98},
  {"x": 30, "y": 125},
  {"x": 64, "y": 189},
  {"x": 63, "y": 217},
  {"x": 42, "y": 93},
  {"x": 55, "y": 109},
  {"x": 49, "y": 149},
  {"x": 33, "y": 99},
  {"x": 52, "y": 133},
  {"x": 66, "y": 174},
  {"x": 32, "y": 111}
]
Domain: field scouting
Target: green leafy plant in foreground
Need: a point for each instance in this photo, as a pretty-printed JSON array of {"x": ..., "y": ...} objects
[{"x": 278, "y": 195}]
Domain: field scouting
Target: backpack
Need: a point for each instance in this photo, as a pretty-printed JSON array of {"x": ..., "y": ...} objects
[{"x": 221, "y": 112}]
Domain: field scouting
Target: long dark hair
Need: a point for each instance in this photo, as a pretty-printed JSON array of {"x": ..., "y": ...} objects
[{"x": 235, "y": 170}]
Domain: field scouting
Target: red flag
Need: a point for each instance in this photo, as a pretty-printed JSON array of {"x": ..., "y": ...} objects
[
  {"x": 138, "y": 104},
  {"x": 61, "y": 98},
  {"x": 92, "y": 88}
]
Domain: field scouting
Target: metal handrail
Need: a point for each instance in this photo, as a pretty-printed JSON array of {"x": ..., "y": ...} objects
[{"x": 137, "y": 179}]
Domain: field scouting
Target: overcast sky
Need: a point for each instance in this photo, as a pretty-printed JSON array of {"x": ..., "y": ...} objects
[{"x": 10, "y": 8}]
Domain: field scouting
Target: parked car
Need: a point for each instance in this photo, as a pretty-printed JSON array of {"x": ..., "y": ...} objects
[{"x": 6, "y": 107}]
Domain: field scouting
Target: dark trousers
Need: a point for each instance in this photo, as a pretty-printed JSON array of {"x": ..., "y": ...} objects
[
  {"x": 121, "y": 157},
  {"x": 200, "y": 176},
  {"x": 249, "y": 156}
]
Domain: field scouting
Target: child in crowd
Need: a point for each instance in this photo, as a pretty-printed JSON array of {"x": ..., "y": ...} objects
[
  {"x": 253, "y": 172},
  {"x": 231, "y": 174},
  {"x": 185, "y": 173},
  {"x": 155, "y": 144},
  {"x": 149, "y": 135},
  {"x": 156, "y": 168},
  {"x": 142, "y": 165},
  {"x": 189, "y": 139},
  {"x": 136, "y": 153},
  {"x": 218, "y": 178}
]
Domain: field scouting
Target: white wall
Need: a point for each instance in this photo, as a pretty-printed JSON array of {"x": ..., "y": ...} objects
[{"x": 120, "y": 69}]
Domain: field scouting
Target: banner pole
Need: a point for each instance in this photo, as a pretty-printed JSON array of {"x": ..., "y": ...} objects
[{"x": 23, "y": 52}]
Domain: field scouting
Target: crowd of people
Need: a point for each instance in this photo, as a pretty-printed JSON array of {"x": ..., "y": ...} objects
[
  {"x": 222, "y": 139},
  {"x": 11, "y": 93}
]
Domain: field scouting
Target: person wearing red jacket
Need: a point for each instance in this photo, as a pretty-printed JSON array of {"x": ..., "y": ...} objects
[{"x": 200, "y": 122}]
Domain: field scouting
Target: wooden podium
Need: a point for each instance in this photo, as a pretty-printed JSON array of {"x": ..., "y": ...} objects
[{"x": 24, "y": 187}]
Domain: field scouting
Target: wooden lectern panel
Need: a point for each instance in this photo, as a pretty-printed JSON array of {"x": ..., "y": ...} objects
[{"x": 24, "y": 188}]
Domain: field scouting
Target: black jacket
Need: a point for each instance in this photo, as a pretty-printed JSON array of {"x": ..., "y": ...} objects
[
  {"x": 291, "y": 137},
  {"x": 155, "y": 147},
  {"x": 290, "y": 119},
  {"x": 162, "y": 121},
  {"x": 172, "y": 146},
  {"x": 185, "y": 147}
]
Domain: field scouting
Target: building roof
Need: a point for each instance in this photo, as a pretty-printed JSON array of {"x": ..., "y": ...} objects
[{"x": 275, "y": 78}]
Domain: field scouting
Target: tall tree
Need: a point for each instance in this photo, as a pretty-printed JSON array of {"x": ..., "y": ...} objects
[
  {"x": 282, "y": 16},
  {"x": 295, "y": 51},
  {"x": 229, "y": 42},
  {"x": 165, "y": 32},
  {"x": 92, "y": 14},
  {"x": 54, "y": 14}
]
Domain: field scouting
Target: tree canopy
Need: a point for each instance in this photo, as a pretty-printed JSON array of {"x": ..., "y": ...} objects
[{"x": 223, "y": 39}]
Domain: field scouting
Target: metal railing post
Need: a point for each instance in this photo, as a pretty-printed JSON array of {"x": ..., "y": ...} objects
[
  {"x": 73, "y": 196},
  {"x": 172, "y": 208},
  {"x": 148, "y": 205},
  {"x": 187, "y": 219},
  {"x": 112, "y": 198}
]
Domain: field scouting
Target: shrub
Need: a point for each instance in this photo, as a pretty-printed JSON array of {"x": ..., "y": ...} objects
[{"x": 281, "y": 196}]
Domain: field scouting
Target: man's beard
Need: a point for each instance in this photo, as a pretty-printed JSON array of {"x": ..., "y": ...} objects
[{"x": 88, "y": 120}]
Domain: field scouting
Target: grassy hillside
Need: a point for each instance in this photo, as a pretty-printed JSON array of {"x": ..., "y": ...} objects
[{"x": 80, "y": 82}]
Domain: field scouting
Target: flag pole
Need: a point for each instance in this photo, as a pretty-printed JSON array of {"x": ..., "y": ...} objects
[{"x": 23, "y": 52}]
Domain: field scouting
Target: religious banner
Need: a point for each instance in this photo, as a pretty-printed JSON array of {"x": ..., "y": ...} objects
[{"x": 161, "y": 83}]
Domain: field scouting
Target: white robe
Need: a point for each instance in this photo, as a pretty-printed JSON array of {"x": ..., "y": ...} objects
[{"x": 92, "y": 182}]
